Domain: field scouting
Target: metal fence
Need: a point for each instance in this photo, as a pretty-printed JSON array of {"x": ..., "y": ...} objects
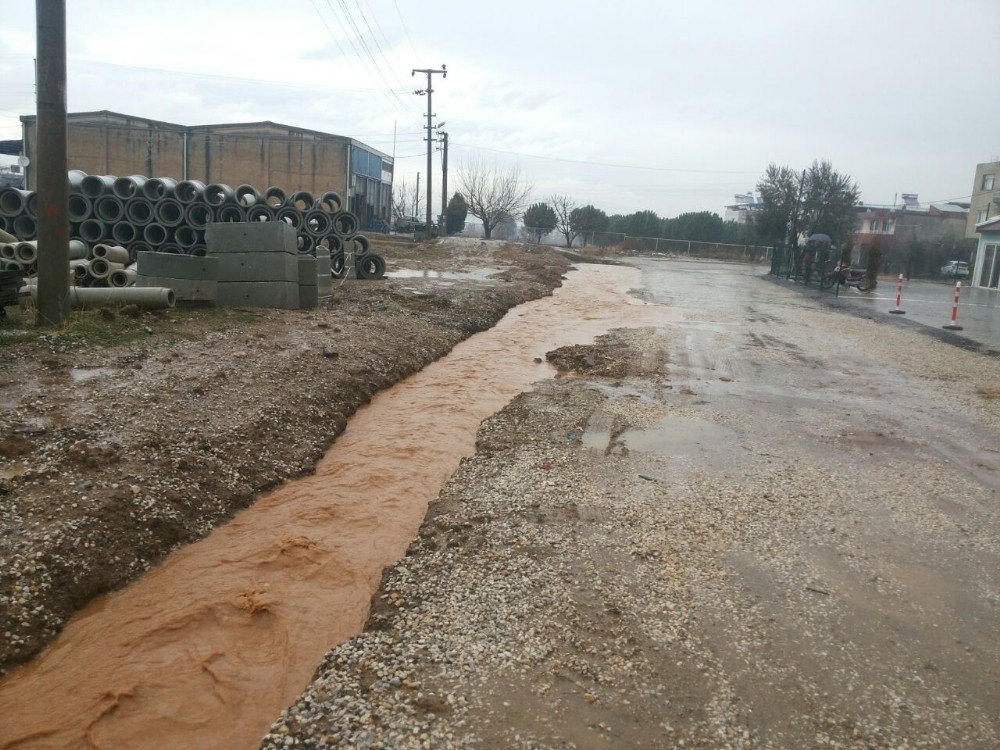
[{"x": 807, "y": 265}]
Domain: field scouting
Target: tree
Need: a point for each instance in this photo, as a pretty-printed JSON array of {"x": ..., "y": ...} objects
[
  {"x": 641, "y": 224},
  {"x": 493, "y": 192},
  {"x": 405, "y": 202},
  {"x": 455, "y": 214},
  {"x": 539, "y": 220},
  {"x": 564, "y": 206},
  {"x": 819, "y": 199},
  {"x": 588, "y": 220},
  {"x": 700, "y": 226}
]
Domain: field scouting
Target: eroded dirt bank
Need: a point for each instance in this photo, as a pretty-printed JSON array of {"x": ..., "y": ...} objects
[
  {"x": 762, "y": 525},
  {"x": 110, "y": 456}
]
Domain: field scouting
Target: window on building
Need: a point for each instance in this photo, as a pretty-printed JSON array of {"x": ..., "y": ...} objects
[
  {"x": 888, "y": 225},
  {"x": 875, "y": 225},
  {"x": 988, "y": 181},
  {"x": 983, "y": 215}
]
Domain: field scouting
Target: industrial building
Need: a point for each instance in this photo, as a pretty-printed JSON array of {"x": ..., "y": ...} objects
[{"x": 262, "y": 154}]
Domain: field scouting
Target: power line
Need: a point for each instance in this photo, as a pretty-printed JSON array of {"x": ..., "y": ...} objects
[
  {"x": 606, "y": 164},
  {"x": 405, "y": 29},
  {"x": 375, "y": 39}
]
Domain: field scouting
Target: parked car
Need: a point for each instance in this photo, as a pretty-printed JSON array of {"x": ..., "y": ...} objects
[{"x": 955, "y": 269}]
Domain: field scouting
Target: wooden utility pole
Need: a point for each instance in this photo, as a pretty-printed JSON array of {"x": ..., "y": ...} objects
[
  {"x": 416, "y": 196},
  {"x": 444, "y": 184},
  {"x": 53, "y": 187},
  {"x": 429, "y": 91}
]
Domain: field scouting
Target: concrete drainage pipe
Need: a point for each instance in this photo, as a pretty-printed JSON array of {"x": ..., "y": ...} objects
[
  {"x": 290, "y": 215},
  {"x": 260, "y": 212},
  {"x": 31, "y": 205},
  {"x": 198, "y": 250},
  {"x": 335, "y": 244},
  {"x": 306, "y": 243},
  {"x": 139, "y": 211},
  {"x": 247, "y": 195},
  {"x": 110, "y": 253},
  {"x": 80, "y": 270},
  {"x": 25, "y": 253},
  {"x": 13, "y": 201},
  {"x": 187, "y": 236},
  {"x": 345, "y": 224},
  {"x": 189, "y": 191},
  {"x": 128, "y": 187},
  {"x": 7, "y": 251},
  {"x": 148, "y": 298},
  {"x": 198, "y": 215},
  {"x": 157, "y": 188},
  {"x": 217, "y": 194},
  {"x": 231, "y": 214},
  {"x": 100, "y": 268},
  {"x": 74, "y": 177},
  {"x": 330, "y": 202},
  {"x": 371, "y": 266},
  {"x": 109, "y": 209},
  {"x": 275, "y": 197},
  {"x": 140, "y": 247},
  {"x": 122, "y": 277},
  {"x": 77, "y": 250},
  {"x": 25, "y": 227},
  {"x": 94, "y": 186},
  {"x": 338, "y": 265},
  {"x": 302, "y": 200},
  {"x": 169, "y": 212},
  {"x": 93, "y": 230},
  {"x": 155, "y": 234},
  {"x": 361, "y": 245},
  {"x": 124, "y": 233},
  {"x": 171, "y": 247},
  {"x": 79, "y": 207}
]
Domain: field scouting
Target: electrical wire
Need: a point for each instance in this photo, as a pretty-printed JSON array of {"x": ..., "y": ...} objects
[{"x": 406, "y": 30}]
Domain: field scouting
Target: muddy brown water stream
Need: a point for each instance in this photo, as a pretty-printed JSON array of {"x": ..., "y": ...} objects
[{"x": 206, "y": 650}]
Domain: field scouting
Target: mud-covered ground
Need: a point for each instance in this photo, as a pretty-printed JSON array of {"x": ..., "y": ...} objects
[
  {"x": 761, "y": 524},
  {"x": 124, "y": 436}
]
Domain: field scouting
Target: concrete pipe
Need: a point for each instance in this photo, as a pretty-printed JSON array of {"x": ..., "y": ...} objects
[
  {"x": 275, "y": 197},
  {"x": 25, "y": 227},
  {"x": 7, "y": 251},
  {"x": 338, "y": 265},
  {"x": 217, "y": 194},
  {"x": 247, "y": 195},
  {"x": 146, "y": 297},
  {"x": 230, "y": 213},
  {"x": 12, "y": 265},
  {"x": 93, "y": 231},
  {"x": 74, "y": 177},
  {"x": 157, "y": 188},
  {"x": 140, "y": 247},
  {"x": 371, "y": 266},
  {"x": 317, "y": 222},
  {"x": 5, "y": 226},
  {"x": 187, "y": 236},
  {"x": 199, "y": 250},
  {"x": 31, "y": 205},
  {"x": 122, "y": 277},
  {"x": 198, "y": 215},
  {"x": 110, "y": 253},
  {"x": 109, "y": 209},
  {"x": 329, "y": 202},
  {"x": 302, "y": 200},
  {"x": 305, "y": 242},
  {"x": 345, "y": 223},
  {"x": 128, "y": 187},
  {"x": 139, "y": 211},
  {"x": 124, "y": 233},
  {"x": 290, "y": 215},
  {"x": 94, "y": 186},
  {"x": 361, "y": 245},
  {"x": 78, "y": 250},
  {"x": 155, "y": 234},
  {"x": 13, "y": 201},
  {"x": 335, "y": 243},
  {"x": 79, "y": 207},
  {"x": 260, "y": 212},
  {"x": 100, "y": 268},
  {"x": 189, "y": 191},
  {"x": 170, "y": 247},
  {"x": 26, "y": 253},
  {"x": 79, "y": 268},
  {"x": 169, "y": 212}
]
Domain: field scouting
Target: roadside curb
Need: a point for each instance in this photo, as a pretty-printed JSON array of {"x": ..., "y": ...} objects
[{"x": 831, "y": 302}]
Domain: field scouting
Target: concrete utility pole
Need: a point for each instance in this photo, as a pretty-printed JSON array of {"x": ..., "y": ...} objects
[
  {"x": 444, "y": 182},
  {"x": 416, "y": 196},
  {"x": 53, "y": 187},
  {"x": 430, "y": 141}
]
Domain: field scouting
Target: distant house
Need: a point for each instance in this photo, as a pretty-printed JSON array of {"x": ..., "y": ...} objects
[
  {"x": 985, "y": 202},
  {"x": 986, "y": 268},
  {"x": 899, "y": 226},
  {"x": 744, "y": 205}
]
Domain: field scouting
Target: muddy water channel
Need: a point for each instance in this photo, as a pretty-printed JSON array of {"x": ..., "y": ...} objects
[{"x": 208, "y": 648}]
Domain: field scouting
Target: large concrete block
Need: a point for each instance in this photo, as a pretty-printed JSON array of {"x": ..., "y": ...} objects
[
  {"x": 308, "y": 296},
  {"x": 174, "y": 266},
  {"x": 250, "y": 237},
  {"x": 307, "y": 270},
  {"x": 324, "y": 285},
  {"x": 282, "y": 294},
  {"x": 186, "y": 290},
  {"x": 258, "y": 267}
]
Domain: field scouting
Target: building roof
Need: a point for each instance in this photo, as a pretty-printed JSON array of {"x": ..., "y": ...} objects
[{"x": 990, "y": 225}]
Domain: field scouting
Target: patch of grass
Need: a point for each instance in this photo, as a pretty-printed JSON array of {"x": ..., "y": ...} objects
[{"x": 988, "y": 393}]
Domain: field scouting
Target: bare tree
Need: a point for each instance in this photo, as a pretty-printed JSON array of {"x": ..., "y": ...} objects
[
  {"x": 405, "y": 201},
  {"x": 492, "y": 192},
  {"x": 564, "y": 206}
]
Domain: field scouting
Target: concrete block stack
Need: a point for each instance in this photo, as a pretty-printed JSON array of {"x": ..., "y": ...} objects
[
  {"x": 258, "y": 264},
  {"x": 193, "y": 278}
]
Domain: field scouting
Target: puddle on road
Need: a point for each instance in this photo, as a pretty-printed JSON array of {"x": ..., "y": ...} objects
[
  {"x": 671, "y": 436},
  {"x": 207, "y": 649},
  {"x": 79, "y": 374},
  {"x": 478, "y": 274}
]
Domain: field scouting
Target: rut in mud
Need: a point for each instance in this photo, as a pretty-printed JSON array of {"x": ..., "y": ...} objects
[{"x": 208, "y": 648}]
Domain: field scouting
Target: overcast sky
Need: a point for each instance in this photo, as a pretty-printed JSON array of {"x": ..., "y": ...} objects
[{"x": 702, "y": 95}]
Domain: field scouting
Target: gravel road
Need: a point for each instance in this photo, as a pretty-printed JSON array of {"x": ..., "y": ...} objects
[
  {"x": 112, "y": 454},
  {"x": 764, "y": 523}
]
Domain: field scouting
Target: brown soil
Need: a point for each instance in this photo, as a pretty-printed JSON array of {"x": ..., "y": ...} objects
[{"x": 176, "y": 430}]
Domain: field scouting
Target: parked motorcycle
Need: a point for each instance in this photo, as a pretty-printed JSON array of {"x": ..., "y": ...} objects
[{"x": 844, "y": 275}]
